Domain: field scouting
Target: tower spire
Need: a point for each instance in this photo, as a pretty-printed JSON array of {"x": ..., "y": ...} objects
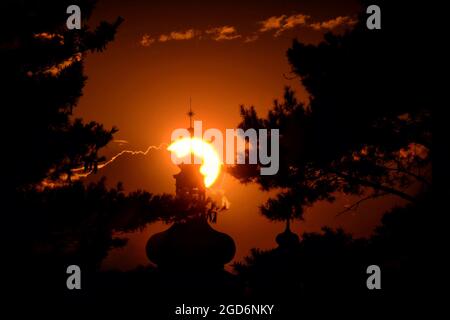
[{"x": 190, "y": 113}]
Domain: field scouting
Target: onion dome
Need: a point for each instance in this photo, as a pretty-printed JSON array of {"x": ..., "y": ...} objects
[
  {"x": 191, "y": 244},
  {"x": 287, "y": 239}
]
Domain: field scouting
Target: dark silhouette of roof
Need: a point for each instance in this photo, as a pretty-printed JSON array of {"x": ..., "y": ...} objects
[{"x": 193, "y": 243}]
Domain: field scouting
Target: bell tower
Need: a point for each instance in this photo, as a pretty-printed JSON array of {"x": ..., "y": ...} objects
[
  {"x": 191, "y": 243},
  {"x": 189, "y": 182}
]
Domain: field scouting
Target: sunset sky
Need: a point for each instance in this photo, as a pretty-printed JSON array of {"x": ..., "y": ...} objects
[{"x": 223, "y": 55}]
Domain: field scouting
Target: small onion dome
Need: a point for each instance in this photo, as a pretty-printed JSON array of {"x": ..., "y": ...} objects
[
  {"x": 287, "y": 239},
  {"x": 191, "y": 244}
]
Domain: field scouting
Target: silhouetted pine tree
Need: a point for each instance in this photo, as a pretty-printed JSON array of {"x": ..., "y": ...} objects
[
  {"x": 364, "y": 131},
  {"x": 42, "y": 79}
]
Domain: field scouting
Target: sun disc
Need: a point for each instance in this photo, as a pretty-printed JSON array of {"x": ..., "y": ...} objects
[{"x": 211, "y": 163}]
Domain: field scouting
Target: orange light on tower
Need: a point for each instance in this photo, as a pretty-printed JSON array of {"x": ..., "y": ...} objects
[{"x": 211, "y": 163}]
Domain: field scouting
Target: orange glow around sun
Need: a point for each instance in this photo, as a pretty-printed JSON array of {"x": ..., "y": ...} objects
[{"x": 211, "y": 163}]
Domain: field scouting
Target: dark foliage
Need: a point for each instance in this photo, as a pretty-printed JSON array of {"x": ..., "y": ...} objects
[
  {"x": 42, "y": 80},
  {"x": 332, "y": 264},
  {"x": 360, "y": 133}
]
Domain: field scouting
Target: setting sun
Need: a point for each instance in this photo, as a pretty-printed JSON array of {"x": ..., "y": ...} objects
[{"x": 211, "y": 163}]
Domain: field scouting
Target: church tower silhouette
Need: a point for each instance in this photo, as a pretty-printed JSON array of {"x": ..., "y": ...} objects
[{"x": 191, "y": 243}]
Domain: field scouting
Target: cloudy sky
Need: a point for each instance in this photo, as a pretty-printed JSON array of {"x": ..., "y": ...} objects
[{"x": 223, "y": 54}]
